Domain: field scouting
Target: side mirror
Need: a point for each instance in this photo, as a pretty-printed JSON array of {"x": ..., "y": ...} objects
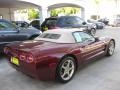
[{"x": 84, "y": 23}]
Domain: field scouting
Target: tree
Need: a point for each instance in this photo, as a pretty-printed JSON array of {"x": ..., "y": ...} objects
[
  {"x": 97, "y": 2},
  {"x": 33, "y": 14},
  {"x": 65, "y": 11},
  {"x": 54, "y": 13}
]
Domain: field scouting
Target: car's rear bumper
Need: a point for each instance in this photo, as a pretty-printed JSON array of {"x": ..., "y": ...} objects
[{"x": 40, "y": 71}]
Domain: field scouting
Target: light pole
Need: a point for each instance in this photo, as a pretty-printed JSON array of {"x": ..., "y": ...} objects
[
  {"x": 116, "y": 6},
  {"x": 97, "y": 2}
]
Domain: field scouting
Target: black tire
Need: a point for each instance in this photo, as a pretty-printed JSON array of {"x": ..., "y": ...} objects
[
  {"x": 110, "y": 52},
  {"x": 93, "y": 32},
  {"x": 59, "y": 69}
]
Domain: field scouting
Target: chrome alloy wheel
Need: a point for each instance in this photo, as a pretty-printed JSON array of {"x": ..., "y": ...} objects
[
  {"x": 111, "y": 47},
  {"x": 67, "y": 69},
  {"x": 93, "y": 31}
]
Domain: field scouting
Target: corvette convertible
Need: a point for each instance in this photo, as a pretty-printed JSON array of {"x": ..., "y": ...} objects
[{"x": 57, "y": 54}]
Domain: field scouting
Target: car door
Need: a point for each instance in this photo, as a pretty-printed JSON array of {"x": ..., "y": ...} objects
[
  {"x": 9, "y": 33},
  {"x": 88, "y": 46},
  {"x": 79, "y": 22},
  {"x": 6, "y": 31}
]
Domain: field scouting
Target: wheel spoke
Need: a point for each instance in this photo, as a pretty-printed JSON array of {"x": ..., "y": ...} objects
[
  {"x": 71, "y": 68},
  {"x": 68, "y": 64},
  {"x": 63, "y": 75},
  {"x": 111, "y": 48},
  {"x": 63, "y": 67},
  {"x": 68, "y": 74},
  {"x": 67, "y": 69}
]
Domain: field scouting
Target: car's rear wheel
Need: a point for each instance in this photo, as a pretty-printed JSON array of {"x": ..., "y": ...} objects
[
  {"x": 111, "y": 48},
  {"x": 93, "y": 32},
  {"x": 66, "y": 69}
]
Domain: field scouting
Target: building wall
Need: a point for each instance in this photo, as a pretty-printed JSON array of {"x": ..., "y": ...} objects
[
  {"x": 105, "y": 8},
  {"x": 42, "y": 6},
  {"x": 7, "y": 13}
]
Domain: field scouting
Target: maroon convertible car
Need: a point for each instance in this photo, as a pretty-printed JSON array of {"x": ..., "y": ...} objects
[{"x": 56, "y": 54}]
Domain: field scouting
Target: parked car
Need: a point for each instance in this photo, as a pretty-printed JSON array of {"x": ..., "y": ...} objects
[
  {"x": 99, "y": 25},
  {"x": 104, "y": 20},
  {"x": 10, "y": 33},
  {"x": 57, "y": 54},
  {"x": 115, "y": 22},
  {"x": 22, "y": 24},
  {"x": 67, "y": 22},
  {"x": 35, "y": 23}
]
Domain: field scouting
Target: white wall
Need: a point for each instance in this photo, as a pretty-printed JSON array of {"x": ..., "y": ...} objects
[
  {"x": 42, "y": 5},
  {"x": 7, "y": 13},
  {"x": 106, "y": 8}
]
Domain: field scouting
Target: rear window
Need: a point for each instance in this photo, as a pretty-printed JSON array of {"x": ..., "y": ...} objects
[{"x": 50, "y": 36}]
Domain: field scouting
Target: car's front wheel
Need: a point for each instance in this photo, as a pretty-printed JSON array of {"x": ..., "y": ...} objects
[
  {"x": 66, "y": 69},
  {"x": 111, "y": 48}
]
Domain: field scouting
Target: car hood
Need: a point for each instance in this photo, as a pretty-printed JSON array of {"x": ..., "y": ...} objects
[{"x": 30, "y": 30}]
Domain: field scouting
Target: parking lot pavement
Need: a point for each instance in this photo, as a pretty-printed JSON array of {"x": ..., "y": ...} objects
[{"x": 103, "y": 74}]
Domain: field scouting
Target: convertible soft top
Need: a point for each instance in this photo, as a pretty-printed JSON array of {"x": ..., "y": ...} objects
[{"x": 59, "y": 35}]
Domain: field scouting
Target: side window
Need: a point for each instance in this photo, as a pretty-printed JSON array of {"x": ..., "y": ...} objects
[
  {"x": 83, "y": 37},
  {"x": 6, "y": 26},
  {"x": 77, "y": 37},
  {"x": 70, "y": 21},
  {"x": 79, "y": 20},
  {"x": 51, "y": 22},
  {"x": 86, "y": 37}
]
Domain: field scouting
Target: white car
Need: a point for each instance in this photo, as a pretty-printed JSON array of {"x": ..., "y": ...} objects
[{"x": 115, "y": 22}]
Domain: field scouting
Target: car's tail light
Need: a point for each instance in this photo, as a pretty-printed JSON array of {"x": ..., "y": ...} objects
[
  {"x": 30, "y": 58},
  {"x": 22, "y": 57},
  {"x": 26, "y": 57}
]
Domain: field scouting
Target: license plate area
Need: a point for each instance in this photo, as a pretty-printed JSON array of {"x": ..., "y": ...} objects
[{"x": 15, "y": 61}]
